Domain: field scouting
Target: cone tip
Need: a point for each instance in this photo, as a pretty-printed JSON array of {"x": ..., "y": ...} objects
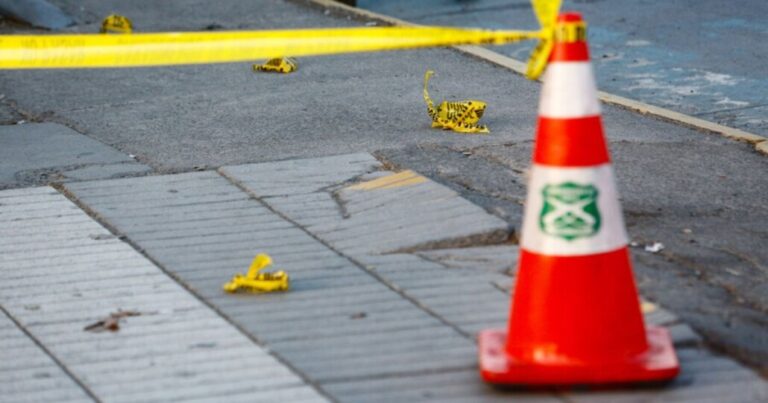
[
  {"x": 569, "y": 16},
  {"x": 570, "y": 39}
]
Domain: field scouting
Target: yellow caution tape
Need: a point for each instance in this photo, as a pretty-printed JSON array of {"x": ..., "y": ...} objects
[
  {"x": 283, "y": 65},
  {"x": 459, "y": 116},
  {"x": 155, "y": 49},
  {"x": 255, "y": 281},
  {"x": 546, "y": 12},
  {"x": 116, "y": 24},
  {"x": 91, "y": 50}
]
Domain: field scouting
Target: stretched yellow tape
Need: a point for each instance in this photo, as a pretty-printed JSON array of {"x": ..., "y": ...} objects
[{"x": 154, "y": 49}]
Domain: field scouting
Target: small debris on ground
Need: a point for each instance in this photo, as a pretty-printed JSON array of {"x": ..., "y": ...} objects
[
  {"x": 111, "y": 322},
  {"x": 101, "y": 237},
  {"x": 203, "y": 345},
  {"x": 733, "y": 272},
  {"x": 358, "y": 315},
  {"x": 213, "y": 27},
  {"x": 655, "y": 247},
  {"x": 648, "y": 307}
]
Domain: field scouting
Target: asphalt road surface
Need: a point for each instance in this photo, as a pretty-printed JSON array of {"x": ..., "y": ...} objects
[{"x": 704, "y": 58}]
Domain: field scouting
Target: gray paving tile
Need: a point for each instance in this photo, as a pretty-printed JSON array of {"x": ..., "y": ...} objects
[
  {"x": 457, "y": 386},
  {"x": 393, "y": 365},
  {"x": 704, "y": 377},
  {"x": 350, "y": 344},
  {"x": 467, "y": 287},
  {"x": 395, "y": 216},
  {"x": 319, "y": 299},
  {"x": 238, "y": 394},
  {"x": 459, "y": 296},
  {"x": 241, "y": 391},
  {"x": 113, "y": 187},
  {"x": 661, "y": 317},
  {"x": 34, "y": 152},
  {"x": 155, "y": 356},
  {"x": 28, "y": 374},
  {"x": 731, "y": 392},
  {"x": 12, "y": 196},
  {"x": 403, "y": 216},
  {"x": 682, "y": 334},
  {"x": 333, "y": 328},
  {"x": 303, "y": 176},
  {"x": 318, "y": 326},
  {"x": 331, "y": 301},
  {"x": 494, "y": 258},
  {"x": 51, "y": 395}
]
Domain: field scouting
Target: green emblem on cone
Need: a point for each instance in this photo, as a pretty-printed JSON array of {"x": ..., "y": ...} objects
[{"x": 570, "y": 211}]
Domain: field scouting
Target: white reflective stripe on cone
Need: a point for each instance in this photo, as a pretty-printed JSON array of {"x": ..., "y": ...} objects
[
  {"x": 569, "y": 91},
  {"x": 580, "y": 214}
]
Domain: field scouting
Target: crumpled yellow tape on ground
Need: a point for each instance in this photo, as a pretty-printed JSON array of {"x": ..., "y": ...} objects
[
  {"x": 284, "y": 65},
  {"x": 154, "y": 49}
]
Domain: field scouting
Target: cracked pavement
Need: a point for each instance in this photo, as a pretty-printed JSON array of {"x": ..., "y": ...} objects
[
  {"x": 359, "y": 324},
  {"x": 707, "y": 212}
]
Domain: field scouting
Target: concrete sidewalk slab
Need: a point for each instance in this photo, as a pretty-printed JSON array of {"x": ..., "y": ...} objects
[
  {"x": 38, "y": 153},
  {"x": 339, "y": 322},
  {"x": 378, "y": 214},
  {"x": 362, "y": 324},
  {"x": 177, "y": 349},
  {"x": 328, "y": 292},
  {"x": 467, "y": 288},
  {"x": 39, "y": 13},
  {"x": 35, "y": 378}
]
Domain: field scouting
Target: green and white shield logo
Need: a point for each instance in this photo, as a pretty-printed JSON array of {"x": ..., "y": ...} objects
[{"x": 570, "y": 211}]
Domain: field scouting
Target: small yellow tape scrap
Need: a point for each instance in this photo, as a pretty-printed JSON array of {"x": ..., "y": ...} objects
[
  {"x": 459, "y": 116},
  {"x": 116, "y": 24},
  {"x": 400, "y": 179},
  {"x": 256, "y": 281},
  {"x": 283, "y": 65}
]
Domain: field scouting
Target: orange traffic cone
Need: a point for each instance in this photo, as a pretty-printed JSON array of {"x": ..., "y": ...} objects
[{"x": 575, "y": 316}]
